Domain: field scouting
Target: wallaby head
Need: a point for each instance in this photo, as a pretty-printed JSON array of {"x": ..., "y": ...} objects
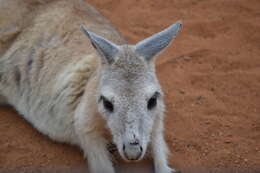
[{"x": 129, "y": 96}]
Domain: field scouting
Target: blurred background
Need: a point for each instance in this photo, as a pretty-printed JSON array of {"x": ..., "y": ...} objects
[{"x": 210, "y": 76}]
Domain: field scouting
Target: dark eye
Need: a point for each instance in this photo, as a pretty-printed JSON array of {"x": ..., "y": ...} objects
[
  {"x": 107, "y": 104},
  {"x": 152, "y": 102}
]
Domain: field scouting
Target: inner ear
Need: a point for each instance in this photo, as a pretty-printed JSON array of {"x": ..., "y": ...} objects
[
  {"x": 104, "y": 47},
  {"x": 152, "y": 46}
]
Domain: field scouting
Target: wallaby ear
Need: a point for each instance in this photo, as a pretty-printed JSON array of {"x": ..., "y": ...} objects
[
  {"x": 152, "y": 46},
  {"x": 105, "y": 48}
]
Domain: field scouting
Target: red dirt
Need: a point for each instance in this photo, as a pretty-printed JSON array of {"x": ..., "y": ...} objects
[{"x": 211, "y": 79}]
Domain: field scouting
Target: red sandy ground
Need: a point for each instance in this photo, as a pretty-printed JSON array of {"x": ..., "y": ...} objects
[{"x": 211, "y": 79}]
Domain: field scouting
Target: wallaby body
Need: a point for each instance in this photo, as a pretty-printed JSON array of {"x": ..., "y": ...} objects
[
  {"x": 40, "y": 74},
  {"x": 80, "y": 91}
]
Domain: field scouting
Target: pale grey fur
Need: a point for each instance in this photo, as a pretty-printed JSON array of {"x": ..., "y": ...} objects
[
  {"x": 106, "y": 49},
  {"x": 151, "y": 46},
  {"x": 56, "y": 80}
]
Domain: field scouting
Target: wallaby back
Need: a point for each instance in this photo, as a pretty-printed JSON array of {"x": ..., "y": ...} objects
[{"x": 47, "y": 58}]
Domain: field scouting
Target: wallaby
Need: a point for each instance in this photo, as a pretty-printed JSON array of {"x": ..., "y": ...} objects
[{"x": 89, "y": 91}]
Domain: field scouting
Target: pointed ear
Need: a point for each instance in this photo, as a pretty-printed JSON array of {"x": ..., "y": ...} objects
[
  {"x": 152, "y": 46},
  {"x": 105, "y": 48}
]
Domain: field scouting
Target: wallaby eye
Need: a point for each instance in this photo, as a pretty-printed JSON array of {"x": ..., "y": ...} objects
[
  {"x": 152, "y": 102},
  {"x": 107, "y": 104}
]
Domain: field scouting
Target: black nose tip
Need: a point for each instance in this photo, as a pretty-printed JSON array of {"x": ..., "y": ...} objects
[{"x": 135, "y": 142}]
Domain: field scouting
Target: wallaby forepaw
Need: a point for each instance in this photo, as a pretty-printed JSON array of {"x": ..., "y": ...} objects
[
  {"x": 168, "y": 170},
  {"x": 175, "y": 171}
]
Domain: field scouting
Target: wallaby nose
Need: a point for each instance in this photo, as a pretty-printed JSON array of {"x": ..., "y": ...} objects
[
  {"x": 134, "y": 142},
  {"x": 133, "y": 151},
  {"x": 132, "y": 147}
]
